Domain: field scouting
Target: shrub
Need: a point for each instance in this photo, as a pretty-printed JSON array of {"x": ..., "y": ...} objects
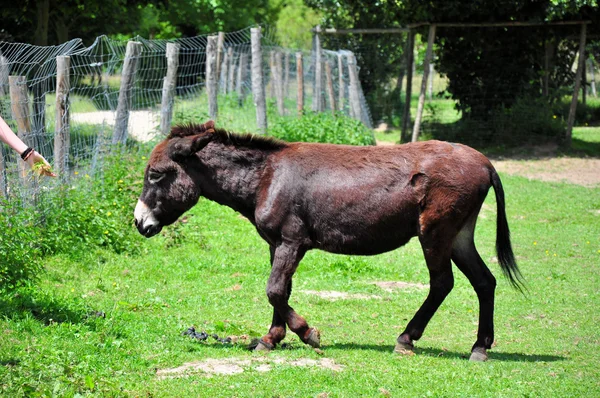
[
  {"x": 322, "y": 127},
  {"x": 19, "y": 251},
  {"x": 91, "y": 212},
  {"x": 528, "y": 121},
  {"x": 588, "y": 114}
]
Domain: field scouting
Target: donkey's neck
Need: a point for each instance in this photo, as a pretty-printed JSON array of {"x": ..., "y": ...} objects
[{"x": 231, "y": 175}]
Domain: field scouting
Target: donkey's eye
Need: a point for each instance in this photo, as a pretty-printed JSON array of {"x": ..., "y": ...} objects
[{"x": 155, "y": 176}]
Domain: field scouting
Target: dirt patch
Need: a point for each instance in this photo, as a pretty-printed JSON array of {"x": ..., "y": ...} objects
[
  {"x": 395, "y": 285},
  {"x": 142, "y": 126},
  {"x": 580, "y": 171},
  {"x": 230, "y": 366},
  {"x": 333, "y": 295}
]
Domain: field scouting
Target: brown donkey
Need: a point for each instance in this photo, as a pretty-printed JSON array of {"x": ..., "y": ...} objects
[{"x": 341, "y": 199}]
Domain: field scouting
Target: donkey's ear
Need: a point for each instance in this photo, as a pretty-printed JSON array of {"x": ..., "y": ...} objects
[
  {"x": 182, "y": 148},
  {"x": 210, "y": 125}
]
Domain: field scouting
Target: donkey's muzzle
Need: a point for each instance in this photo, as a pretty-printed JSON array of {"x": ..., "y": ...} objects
[
  {"x": 149, "y": 230},
  {"x": 145, "y": 221}
]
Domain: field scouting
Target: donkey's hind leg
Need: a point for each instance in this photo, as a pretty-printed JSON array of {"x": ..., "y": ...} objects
[
  {"x": 467, "y": 259},
  {"x": 441, "y": 281}
]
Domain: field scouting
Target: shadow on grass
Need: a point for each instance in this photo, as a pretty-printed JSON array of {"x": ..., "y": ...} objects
[
  {"x": 582, "y": 148},
  {"x": 43, "y": 307},
  {"x": 10, "y": 362},
  {"x": 436, "y": 352}
]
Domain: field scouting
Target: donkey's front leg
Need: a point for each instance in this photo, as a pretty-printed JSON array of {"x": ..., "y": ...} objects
[{"x": 285, "y": 260}]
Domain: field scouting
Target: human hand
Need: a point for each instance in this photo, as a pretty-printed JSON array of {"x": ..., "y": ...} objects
[{"x": 39, "y": 164}]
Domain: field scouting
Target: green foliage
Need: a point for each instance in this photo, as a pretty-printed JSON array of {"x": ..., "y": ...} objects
[
  {"x": 91, "y": 212},
  {"x": 585, "y": 115},
  {"x": 529, "y": 121},
  {"x": 193, "y": 17},
  {"x": 295, "y": 23},
  {"x": 19, "y": 251},
  {"x": 322, "y": 127}
]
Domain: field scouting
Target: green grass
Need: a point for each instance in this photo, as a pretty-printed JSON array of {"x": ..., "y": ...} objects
[{"x": 211, "y": 272}]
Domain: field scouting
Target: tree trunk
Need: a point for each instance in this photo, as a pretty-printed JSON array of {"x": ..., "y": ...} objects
[
  {"x": 61, "y": 29},
  {"x": 41, "y": 30}
]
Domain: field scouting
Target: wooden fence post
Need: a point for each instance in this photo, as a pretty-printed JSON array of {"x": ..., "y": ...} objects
[
  {"x": 318, "y": 99},
  {"x": 341, "y": 83},
  {"x": 573, "y": 107},
  {"x": 300, "y": 82},
  {"x": 224, "y": 73},
  {"x": 62, "y": 137},
  {"x": 278, "y": 80},
  {"x": 211, "y": 76},
  {"x": 286, "y": 74},
  {"x": 430, "y": 89},
  {"x": 241, "y": 77},
  {"x": 593, "y": 78},
  {"x": 365, "y": 116},
  {"x": 353, "y": 93},
  {"x": 134, "y": 49},
  {"x": 272, "y": 79},
  {"x": 420, "y": 106},
  {"x": 410, "y": 59},
  {"x": 258, "y": 87},
  {"x": 584, "y": 83},
  {"x": 4, "y": 73},
  {"x": 19, "y": 100},
  {"x": 169, "y": 85},
  {"x": 330, "y": 92},
  {"x": 231, "y": 68},
  {"x": 219, "y": 55}
]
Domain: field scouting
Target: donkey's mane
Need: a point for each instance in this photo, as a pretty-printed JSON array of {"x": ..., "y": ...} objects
[{"x": 226, "y": 137}]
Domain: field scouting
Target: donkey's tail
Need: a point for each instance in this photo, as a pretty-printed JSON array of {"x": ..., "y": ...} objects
[{"x": 506, "y": 257}]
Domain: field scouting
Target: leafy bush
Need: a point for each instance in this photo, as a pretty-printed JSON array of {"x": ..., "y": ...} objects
[
  {"x": 322, "y": 127},
  {"x": 588, "y": 114},
  {"x": 91, "y": 212},
  {"x": 19, "y": 251},
  {"x": 529, "y": 120}
]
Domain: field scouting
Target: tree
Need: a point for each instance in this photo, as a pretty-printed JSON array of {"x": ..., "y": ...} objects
[
  {"x": 51, "y": 22},
  {"x": 193, "y": 17},
  {"x": 490, "y": 68},
  {"x": 379, "y": 57},
  {"x": 294, "y": 24}
]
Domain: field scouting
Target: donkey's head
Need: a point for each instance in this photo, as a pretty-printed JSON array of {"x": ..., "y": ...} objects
[{"x": 170, "y": 184}]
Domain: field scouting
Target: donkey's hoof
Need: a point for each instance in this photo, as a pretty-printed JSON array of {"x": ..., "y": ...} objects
[
  {"x": 479, "y": 354},
  {"x": 260, "y": 345},
  {"x": 314, "y": 338},
  {"x": 404, "y": 348}
]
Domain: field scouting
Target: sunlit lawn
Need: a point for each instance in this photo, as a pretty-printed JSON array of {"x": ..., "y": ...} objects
[{"x": 211, "y": 272}]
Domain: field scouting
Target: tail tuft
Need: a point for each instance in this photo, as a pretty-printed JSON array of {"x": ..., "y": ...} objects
[{"x": 506, "y": 257}]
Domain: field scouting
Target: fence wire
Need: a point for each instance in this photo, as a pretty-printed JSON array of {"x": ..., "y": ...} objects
[{"x": 95, "y": 75}]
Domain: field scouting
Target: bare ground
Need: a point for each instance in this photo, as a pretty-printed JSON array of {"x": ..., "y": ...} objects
[
  {"x": 229, "y": 366},
  {"x": 142, "y": 124}
]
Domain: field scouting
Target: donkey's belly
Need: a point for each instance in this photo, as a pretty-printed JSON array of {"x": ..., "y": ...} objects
[{"x": 353, "y": 237}]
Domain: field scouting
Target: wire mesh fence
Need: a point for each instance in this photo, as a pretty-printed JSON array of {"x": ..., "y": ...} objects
[
  {"x": 118, "y": 95},
  {"x": 496, "y": 89},
  {"x": 489, "y": 83}
]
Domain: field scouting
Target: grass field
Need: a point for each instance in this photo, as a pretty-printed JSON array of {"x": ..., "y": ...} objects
[{"x": 102, "y": 324}]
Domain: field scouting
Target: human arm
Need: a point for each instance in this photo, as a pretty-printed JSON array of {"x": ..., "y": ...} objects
[{"x": 9, "y": 138}]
